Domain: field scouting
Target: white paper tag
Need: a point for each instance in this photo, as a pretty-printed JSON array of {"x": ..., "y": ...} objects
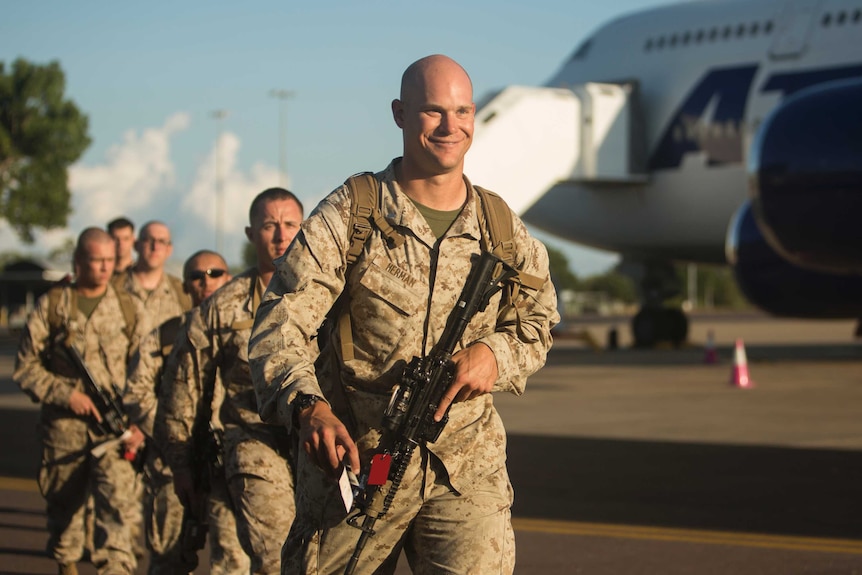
[{"x": 345, "y": 485}]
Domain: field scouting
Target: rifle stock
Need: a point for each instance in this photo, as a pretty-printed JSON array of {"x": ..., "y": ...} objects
[{"x": 409, "y": 419}]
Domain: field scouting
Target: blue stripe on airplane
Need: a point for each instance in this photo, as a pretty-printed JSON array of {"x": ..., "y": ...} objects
[{"x": 724, "y": 93}]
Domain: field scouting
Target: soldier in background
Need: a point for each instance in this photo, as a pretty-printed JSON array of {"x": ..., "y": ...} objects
[
  {"x": 156, "y": 292},
  {"x": 158, "y": 297},
  {"x": 123, "y": 231},
  {"x": 203, "y": 273},
  {"x": 91, "y": 315},
  {"x": 256, "y": 455}
]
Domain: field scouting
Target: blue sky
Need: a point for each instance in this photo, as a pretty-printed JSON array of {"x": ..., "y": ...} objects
[{"x": 149, "y": 76}]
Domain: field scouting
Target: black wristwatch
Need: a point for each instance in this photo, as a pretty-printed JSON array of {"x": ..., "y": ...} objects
[{"x": 303, "y": 401}]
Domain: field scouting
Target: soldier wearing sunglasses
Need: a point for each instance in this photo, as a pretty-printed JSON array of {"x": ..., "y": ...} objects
[{"x": 203, "y": 273}]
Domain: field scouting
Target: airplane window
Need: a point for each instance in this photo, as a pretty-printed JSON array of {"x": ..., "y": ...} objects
[
  {"x": 755, "y": 27},
  {"x": 827, "y": 20},
  {"x": 740, "y": 31},
  {"x": 857, "y": 15},
  {"x": 660, "y": 43},
  {"x": 699, "y": 36},
  {"x": 726, "y": 33},
  {"x": 648, "y": 45},
  {"x": 713, "y": 34},
  {"x": 673, "y": 41},
  {"x": 841, "y": 17},
  {"x": 685, "y": 38},
  {"x": 767, "y": 28}
]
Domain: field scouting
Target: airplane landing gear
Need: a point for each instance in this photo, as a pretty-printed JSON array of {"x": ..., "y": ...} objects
[
  {"x": 653, "y": 325},
  {"x": 657, "y": 322}
]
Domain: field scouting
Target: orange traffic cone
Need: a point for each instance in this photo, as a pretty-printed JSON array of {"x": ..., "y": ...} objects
[
  {"x": 739, "y": 374},
  {"x": 710, "y": 355}
]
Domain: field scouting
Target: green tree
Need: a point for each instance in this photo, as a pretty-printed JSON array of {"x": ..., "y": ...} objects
[
  {"x": 561, "y": 274},
  {"x": 41, "y": 134},
  {"x": 616, "y": 285}
]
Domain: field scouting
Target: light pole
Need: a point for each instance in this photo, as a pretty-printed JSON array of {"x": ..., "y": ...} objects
[
  {"x": 283, "y": 96},
  {"x": 219, "y": 116}
]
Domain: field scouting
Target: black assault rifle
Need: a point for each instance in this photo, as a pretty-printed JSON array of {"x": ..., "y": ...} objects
[
  {"x": 113, "y": 418},
  {"x": 409, "y": 419},
  {"x": 207, "y": 461}
]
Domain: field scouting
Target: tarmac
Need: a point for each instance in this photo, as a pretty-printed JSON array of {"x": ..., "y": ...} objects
[{"x": 634, "y": 461}]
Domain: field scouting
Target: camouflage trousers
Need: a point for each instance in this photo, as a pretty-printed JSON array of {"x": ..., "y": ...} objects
[
  {"x": 439, "y": 529},
  {"x": 164, "y": 525},
  {"x": 163, "y": 518},
  {"x": 68, "y": 475},
  {"x": 260, "y": 482},
  {"x": 227, "y": 556}
]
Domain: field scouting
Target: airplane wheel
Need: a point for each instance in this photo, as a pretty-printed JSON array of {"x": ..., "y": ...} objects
[
  {"x": 647, "y": 327},
  {"x": 653, "y": 325},
  {"x": 677, "y": 325}
]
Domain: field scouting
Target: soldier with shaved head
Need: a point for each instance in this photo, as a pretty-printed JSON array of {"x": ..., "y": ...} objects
[
  {"x": 452, "y": 512},
  {"x": 89, "y": 314},
  {"x": 158, "y": 296}
]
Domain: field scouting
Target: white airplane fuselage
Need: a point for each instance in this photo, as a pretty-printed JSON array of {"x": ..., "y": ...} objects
[{"x": 705, "y": 76}]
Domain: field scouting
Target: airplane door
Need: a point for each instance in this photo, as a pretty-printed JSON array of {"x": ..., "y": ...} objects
[{"x": 794, "y": 26}]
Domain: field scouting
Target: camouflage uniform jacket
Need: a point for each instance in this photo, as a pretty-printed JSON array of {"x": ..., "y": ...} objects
[
  {"x": 399, "y": 300},
  {"x": 215, "y": 348},
  {"x": 47, "y": 377},
  {"x": 167, "y": 300},
  {"x": 140, "y": 398}
]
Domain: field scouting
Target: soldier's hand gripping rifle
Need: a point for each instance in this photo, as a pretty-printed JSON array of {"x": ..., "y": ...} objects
[
  {"x": 113, "y": 418},
  {"x": 409, "y": 419}
]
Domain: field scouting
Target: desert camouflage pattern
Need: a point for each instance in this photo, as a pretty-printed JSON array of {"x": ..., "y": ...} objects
[
  {"x": 163, "y": 512},
  {"x": 399, "y": 298},
  {"x": 155, "y": 307},
  {"x": 256, "y": 455},
  {"x": 68, "y": 473},
  {"x": 164, "y": 509}
]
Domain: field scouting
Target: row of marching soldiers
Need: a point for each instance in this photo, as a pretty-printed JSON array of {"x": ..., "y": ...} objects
[{"x": 148, "y": 413}]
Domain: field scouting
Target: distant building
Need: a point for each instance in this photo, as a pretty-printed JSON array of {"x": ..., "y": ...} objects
[{"x": 21, "y": 283}]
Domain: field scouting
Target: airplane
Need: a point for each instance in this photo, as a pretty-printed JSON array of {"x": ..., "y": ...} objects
[{"x": 709, "y": 132}]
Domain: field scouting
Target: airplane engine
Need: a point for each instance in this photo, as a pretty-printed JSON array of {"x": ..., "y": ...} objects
[
  {"x": 805, "y": 173},
  {"x": 781, "y": 288}
]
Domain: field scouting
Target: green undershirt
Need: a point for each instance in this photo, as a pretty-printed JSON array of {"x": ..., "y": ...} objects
[
  {"x": 438, "y": 220},
  {"x": 86, "y": 305}
]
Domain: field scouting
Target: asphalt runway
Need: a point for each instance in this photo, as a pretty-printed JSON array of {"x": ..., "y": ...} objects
[{"x": 633, "y": 461}]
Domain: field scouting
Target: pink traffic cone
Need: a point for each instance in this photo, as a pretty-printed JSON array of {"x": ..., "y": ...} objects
[
  {"x": 739, "y": 374},
  {"x": 710, "y": 355}
]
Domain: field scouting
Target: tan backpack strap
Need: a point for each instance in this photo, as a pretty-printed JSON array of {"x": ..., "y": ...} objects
[
  {"x": 256, "y": 297},
  {"x": 364, "y": 192},
  {"x": 130, "y": 315},
  {"x": 498, "y": 220},
  {"x": 55, "y": 322},
  {"x": 183, "y": 298}
]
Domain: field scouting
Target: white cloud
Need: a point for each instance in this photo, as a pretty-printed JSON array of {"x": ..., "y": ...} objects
[
  {"x": 137, "y": 172},
  {"x": 237, "y": 191},
  {"x": 138, "y": 179}
]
